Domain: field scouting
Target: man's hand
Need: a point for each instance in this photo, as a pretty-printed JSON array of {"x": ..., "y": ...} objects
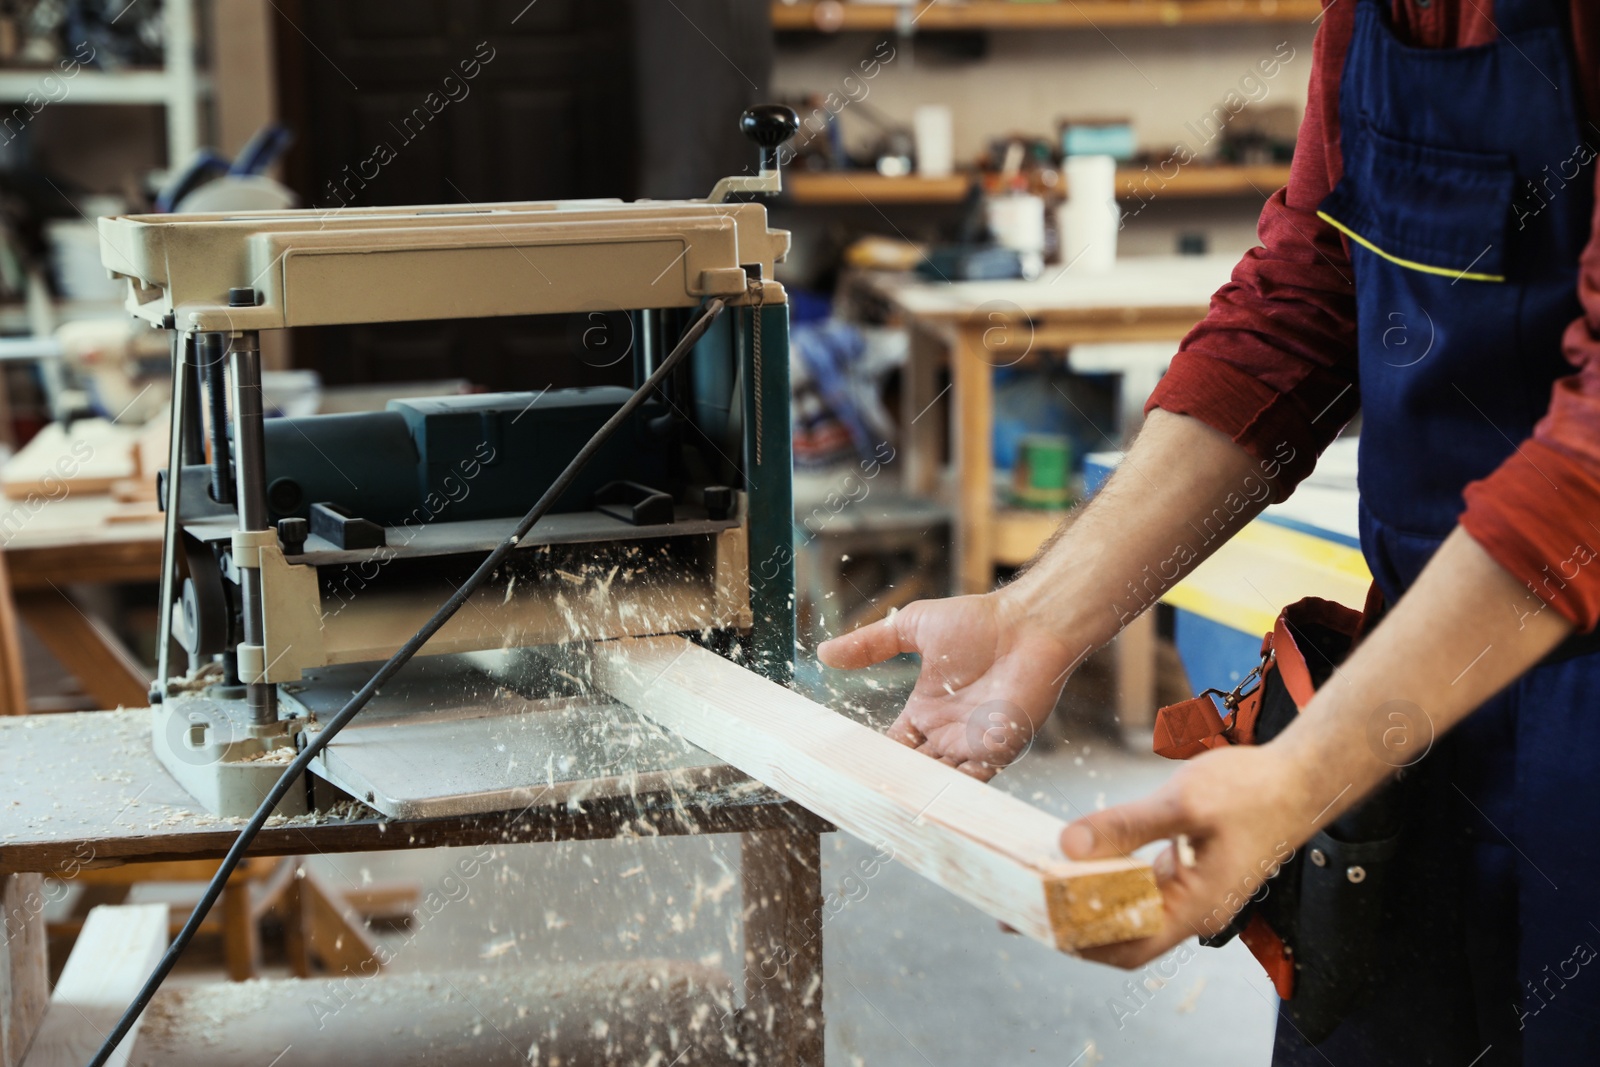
[
  {"x": 993, "y": 665},
  {"x": 1241, "y": 810},
  {"x": 989, "y": 678}
]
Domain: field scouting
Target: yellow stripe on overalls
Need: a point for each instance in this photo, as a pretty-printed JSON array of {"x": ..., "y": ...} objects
[{"x": 1409, "y": 264}]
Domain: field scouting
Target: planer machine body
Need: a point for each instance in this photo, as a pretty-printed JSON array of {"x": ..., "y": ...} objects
[{"x": 301, "y": 552}]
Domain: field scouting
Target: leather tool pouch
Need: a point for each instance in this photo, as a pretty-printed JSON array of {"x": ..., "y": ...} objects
[{"x": 1315, "y": 924}]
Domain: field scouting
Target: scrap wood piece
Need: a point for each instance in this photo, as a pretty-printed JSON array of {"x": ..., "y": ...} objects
[
  {"x": 986, "y": 846},
  {"x": 90, "y": 458},
  {"x": 116, "y": 951}
]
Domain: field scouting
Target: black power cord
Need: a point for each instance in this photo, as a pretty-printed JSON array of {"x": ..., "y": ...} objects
[{"x": 241, "y": 844}]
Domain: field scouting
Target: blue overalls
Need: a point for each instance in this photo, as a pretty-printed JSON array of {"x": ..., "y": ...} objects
[{"x": 1466, "y": 197}]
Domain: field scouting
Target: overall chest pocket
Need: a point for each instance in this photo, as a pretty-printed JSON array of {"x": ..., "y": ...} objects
[{"x": 1433, "y": 210}]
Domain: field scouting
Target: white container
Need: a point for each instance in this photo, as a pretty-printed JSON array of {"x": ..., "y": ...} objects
[
  {"x": 1088, "y": 220},
  {"x": 1017, "y": 222},
  {"x": 934, "y": 130}
]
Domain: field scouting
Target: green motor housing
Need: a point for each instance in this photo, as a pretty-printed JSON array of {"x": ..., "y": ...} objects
[{"x": 455, "y": 458}]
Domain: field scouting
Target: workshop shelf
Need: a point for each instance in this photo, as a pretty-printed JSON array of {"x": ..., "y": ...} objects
[
  {"x": 829, "y": 17},
  {"x": 869, "y": 187},
  {"x": 1193, "y": 182}
]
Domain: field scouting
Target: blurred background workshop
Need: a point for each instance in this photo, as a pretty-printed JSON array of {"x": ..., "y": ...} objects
[{"x": 1005, "y": 214}]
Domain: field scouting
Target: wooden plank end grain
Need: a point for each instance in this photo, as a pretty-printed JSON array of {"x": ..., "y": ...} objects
[
  {"x": 1089, "y": 908},
  {"x": 986, "y": 846}
]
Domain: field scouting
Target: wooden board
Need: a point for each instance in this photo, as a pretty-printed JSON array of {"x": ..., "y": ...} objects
[
  {"x": 114, "y": 955},
  {"x": 984, "y": 845},
  {"x": 87, "y": 459}
]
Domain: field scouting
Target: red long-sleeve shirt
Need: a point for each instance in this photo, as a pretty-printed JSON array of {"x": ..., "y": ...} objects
[{"x": 1274, "y": 361}]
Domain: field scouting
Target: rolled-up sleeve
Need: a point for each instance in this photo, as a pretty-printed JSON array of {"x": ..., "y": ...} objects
[
  {"x": 1538, "y": 513},
  {"x": 1273, "y": 363}
]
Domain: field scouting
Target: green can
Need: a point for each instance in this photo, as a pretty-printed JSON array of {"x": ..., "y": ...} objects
[{"x": 1042, "y": 477}]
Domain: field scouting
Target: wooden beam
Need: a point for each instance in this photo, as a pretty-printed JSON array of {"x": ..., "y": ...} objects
[
  {"x": 781, "y": 879},
  {"x": 978, "y": 350},
  {"x": 24, "y": 976},
  {"x": 13, "y": 680},
  {"x": 114, "y": 553},
  {"x": 986, "y": 846},
  {"x": 243, "y": 79},
  {"x": 114, "y": 955},
  {"x": 241, "y": 942},
  {"x": 1135, "y": 652}
]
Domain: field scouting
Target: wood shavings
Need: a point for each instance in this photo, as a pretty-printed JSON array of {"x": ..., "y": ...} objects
[
  {"x": 283, "y": 754},
  {"x": 1191, "y": 998},
  {"x": 498, "y": 949}
]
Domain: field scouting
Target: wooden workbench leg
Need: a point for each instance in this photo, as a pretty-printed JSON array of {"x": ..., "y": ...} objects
[
  {"x": 782, "y": 886},
  {"x": 973, "y": 375},
  {"x": 1135, "y": 652},
  {"x": 924, "y": 414},
  {"x": 24, "y": 976},
  {"x": 241, "y": 943},
  {"x": 13, "y": 684}
]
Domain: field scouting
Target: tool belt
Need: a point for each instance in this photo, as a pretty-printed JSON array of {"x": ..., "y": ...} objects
[{"x": 1314, "y": 925}]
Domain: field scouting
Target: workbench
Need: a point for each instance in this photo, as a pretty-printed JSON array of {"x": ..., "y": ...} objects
[
  {"x": 80, "y": 539},
  {"x": 975, "y": 327},
  {"x": 85, "y": 790}
]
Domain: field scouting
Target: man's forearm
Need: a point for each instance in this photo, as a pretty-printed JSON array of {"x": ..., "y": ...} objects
[
  {"x": 1182, "y": 490},
  {"x": 1465, "y": 631}
]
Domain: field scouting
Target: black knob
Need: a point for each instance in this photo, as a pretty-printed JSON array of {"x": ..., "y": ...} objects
[
  {"x": 292, "y": 534},
  {"x": 242, "y": 297},
  {"x": 769, "y": 125}
]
